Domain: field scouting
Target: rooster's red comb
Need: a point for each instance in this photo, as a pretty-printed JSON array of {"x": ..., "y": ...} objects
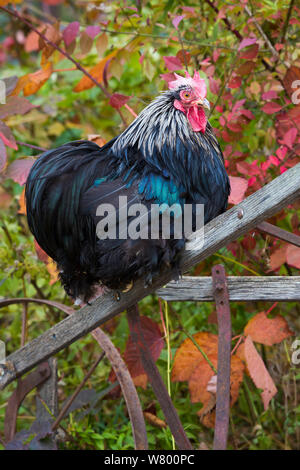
[{"x": 196, "y": 82}]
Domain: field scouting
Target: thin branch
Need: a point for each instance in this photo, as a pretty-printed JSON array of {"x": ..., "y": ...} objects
[
  {"x": 69, "y": 402},
  {"x": 34, "y": 147},
  {"x": 287, "y": 20},
  {"x": 183, "y": 50},
  {"x": 167, "y": 37},
  {"x": 262, "y": 33},
  {"x": 229, "y": 26},
  {"x": 225, "y": 82}
]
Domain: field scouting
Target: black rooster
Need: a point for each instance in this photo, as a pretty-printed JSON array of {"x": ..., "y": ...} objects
[{"x": 168, "y": 154}]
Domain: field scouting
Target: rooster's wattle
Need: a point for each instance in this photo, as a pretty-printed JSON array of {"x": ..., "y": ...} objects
[{"x": 168, "y": 154}]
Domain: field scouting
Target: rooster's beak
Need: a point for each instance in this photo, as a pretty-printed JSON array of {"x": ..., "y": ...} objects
[{"x": 202, "y": 102}]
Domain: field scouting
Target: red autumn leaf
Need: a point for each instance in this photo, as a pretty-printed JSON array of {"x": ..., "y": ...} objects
[
  {"x": 271, "y": 108},
  {"x": 183, "y": 56},
  {"x": 41, "y": 254},
  {"x": 281, "y": 152},
  {"x": 274, "y": 160},
  {"x": 177, "y": 20},
  {"x": 154, "y": 342},
  {"x": 15, "y": 105},
  {"x": 172, "y": 63},
  {"x": 293, "y": 256},
  {"x": 234, "y": 126},
  {"x": 3, "y": 155},
  {"x": 259, "y": 373},
  {"x": 290, "y": 137},
  {"x": 248, "y": 169},
  {"x": 19, "y": 169},
  {"x": 117, "y": 100},
  {"x": 7, "y": 136},
  {"x": 53, "y": 2},
  {"x": 92, "y": 31},
  {"x": 70, "y": 32},
  {"x": 250, "y": 53},
  {"x": 235, "y": 82},
  {"x": 269, "y": 95},
  {"x": 246, "y": 112},
  {"x": 266, "y": 330},
  {"x": 32, "y": 41},
  {"x": 238, "y": 189},
  {"x": 246, "y": 68},
  {"x": 247, "y": 42},
  {"x": 286, "y": 120},
  {"x": 167, "y": 77},
  {"x": 214, "y": 86}
]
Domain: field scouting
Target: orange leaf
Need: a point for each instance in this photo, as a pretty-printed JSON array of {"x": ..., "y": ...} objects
[
  {"x": 22, "y": 203},
  {"x": 141, "y": 381},
  {"x": 32, "y": 82},
  {"x": 199, "y": 379},
  {"x": 278, "y": 258},
  {"x": 52, "y": 270},
  {"x": 203, "y": 373},
  {"x": 5, "y": 2},
  {"x": 97, "y": 139},
  {"x": 50, "y": 264},
  {"x": 52, "y": 33},
  {"x": 208, "y": 413},
  {"x": 188, "y": 356},
  {"x": 96, "y": 72},
  {"x": 259, "y": 373},
  {"x": 266, "y": 330},
  {"x": 236, "y": 377}
]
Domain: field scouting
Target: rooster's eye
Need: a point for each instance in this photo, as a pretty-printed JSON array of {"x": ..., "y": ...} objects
[{"x": 186, "y": 95}]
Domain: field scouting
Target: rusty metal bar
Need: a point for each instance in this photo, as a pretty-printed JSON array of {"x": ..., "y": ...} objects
[
  {"x": 280, "y": 233},
  {"x": 24, "y": 386},
  {"x": 156, "y": 381}
]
